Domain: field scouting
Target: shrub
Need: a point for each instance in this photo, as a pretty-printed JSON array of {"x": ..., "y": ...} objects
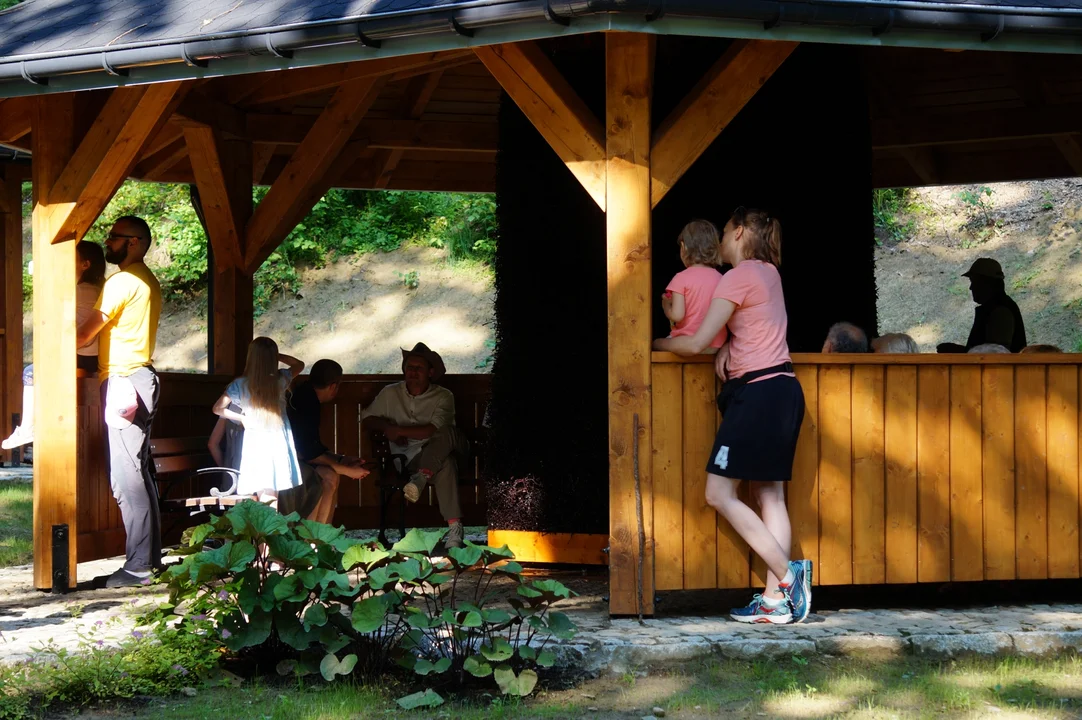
[{"x": 311, "y": 600}]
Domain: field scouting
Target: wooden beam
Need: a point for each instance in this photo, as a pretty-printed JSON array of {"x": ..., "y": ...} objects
[
  {"x": 202, "y": 110},
  {"x": 924, "y": 163},
  {"x": 563, "y": 548},
  {"x": 528, "y": 76},
  {"x": 390, "y": 134},
  {"x": 56, "y": 442},
  {"x": 293, "y": 83},
  {"x": 107, "y": 155},
  {"x": 261, "y": 157},
  {"x": 214, "y": 166},
  {"x": 1009, "y": 124},
  {"x": 1072, "y": 151},
  {"x": 629, "y": 65},
  {"x": 710, "y": 106},
  {"x": 418, "y": 93},
  {"x": 11, "y": 296},
  {"x": 14, "y": 119},
  {"x": 154, "y": 166},
  {"x": 288, "y": 199}
]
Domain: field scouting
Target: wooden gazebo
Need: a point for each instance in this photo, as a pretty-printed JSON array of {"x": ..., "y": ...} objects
[{"x": 911, "y": 468}]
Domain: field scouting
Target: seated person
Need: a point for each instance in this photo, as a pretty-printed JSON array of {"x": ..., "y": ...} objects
[
  {"x": 894, "y": 343},
  {"x": 845, "y": 337},
  {"x": 997, "y": 319},
  {"x": 688, "y": 295},
  {"x": 986, "y": 348},
  {"x": 1041, "y": 349},
  {"x": 418, "y": 418},
  {"x": 320, "y": 467}
]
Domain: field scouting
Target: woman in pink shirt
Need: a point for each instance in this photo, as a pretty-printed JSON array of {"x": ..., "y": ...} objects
[
  {"x": 762, "y": 406},
  {"x": 688, "y": 295}
]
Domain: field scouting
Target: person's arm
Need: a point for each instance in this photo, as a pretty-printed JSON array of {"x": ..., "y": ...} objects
[
  {"x": 221, "y": 409},
  {"x": 342, "y": 464},
  {"x": 214, "y": 444},
  {"x": 90, "y": 328},
  {"x": 674, "y": 308},
  {"x": 719, "y": 313},
  {"x": 295, "y": 366},
  {"x": 1000, "y": 327}
]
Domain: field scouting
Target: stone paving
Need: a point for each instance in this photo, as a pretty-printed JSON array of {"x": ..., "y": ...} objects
[{"x": 29, "y": 618}]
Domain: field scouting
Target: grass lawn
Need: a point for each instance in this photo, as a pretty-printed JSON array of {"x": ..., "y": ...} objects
[
  {"x": 794, "y": 688},
  {"x": 16, "y": 523}
]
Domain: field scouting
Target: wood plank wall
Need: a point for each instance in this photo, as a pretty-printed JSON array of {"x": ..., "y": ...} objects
[
  {"x": 912, "y": 469},
  {"x": 184, "y": 411}
]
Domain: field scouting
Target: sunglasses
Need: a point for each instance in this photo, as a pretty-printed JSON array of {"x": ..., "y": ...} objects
[{"x": 119, "y": 236}]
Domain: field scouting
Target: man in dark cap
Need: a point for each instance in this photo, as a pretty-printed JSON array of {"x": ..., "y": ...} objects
[
  {"x": 418, "y": 418},
  {"x": 997, "y": 319}
]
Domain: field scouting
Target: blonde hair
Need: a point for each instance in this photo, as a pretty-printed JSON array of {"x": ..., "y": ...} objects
[
  {"x": 763, "y": 232},
  {"x": 700, "y": 240},
  {"x": 267, "y": 398},
  {"x": 1040, "y": 349},
  {"x": 894, "y": 343}
]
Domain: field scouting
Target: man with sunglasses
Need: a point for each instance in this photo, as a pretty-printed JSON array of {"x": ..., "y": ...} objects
[{"x": 126, "y": 325}]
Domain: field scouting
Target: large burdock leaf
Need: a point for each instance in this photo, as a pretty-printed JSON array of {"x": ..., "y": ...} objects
[
  {"x": 419, "y": 541},
  {"x": 256, "y": 521},
  {"x": 511, "y": 684},
  {"x": 477, "y": 667},
  {"x": 428, "y": 698},
  {"x": 246, "y": 633},
  {"x": 331, "y": 666},
  {"x": 369, "y": 614},
  {"x": 362, "y": 555},
  {"x": 552, "y": 589},
  {"x": 319, "y": 532},
  {"x": 291, "y": 552},
  {"x": 499, "y": 651},
  {"x": 465, "y": 557}
]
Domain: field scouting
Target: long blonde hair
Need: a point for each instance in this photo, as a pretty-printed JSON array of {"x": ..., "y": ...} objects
[{"x": 267, "y": 398}]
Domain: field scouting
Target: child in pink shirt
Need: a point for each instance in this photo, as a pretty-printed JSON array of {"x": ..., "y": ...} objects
[{"x": 687, "y": 296}]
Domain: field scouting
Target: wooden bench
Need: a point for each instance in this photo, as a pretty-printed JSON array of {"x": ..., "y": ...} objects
[{"x": 186, "y": 464}]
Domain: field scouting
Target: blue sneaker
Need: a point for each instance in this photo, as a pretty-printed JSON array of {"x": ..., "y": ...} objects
[
  {"x": 799, "y": 591},
  {"x": 758, "y": 611}
]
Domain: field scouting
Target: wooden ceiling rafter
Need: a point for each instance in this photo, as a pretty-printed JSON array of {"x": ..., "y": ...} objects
[
  {"x": 152, "y": 167},
  {"x": 530, "y": 78},
  {"x": 416, "y": 97},
  {"x": 708, "y": 109},
  {"x": 209, "y": 160},
  {"x": 108, "y": 153},
  {"x": 291, "y": 195},
  {"x": 14, "y": 120}
]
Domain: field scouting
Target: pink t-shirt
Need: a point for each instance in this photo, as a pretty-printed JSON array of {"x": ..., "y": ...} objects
[
  {"x": 758, "y": 324},
  {"x": 697, "y": 285}
]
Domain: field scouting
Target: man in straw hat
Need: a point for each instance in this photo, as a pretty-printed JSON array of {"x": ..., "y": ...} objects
[
  {"x": 997, "y": 319},
  {"x": 418, "y": 418}
]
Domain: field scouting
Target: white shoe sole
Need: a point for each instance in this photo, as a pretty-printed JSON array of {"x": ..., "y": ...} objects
[
  {"x": 763, "y": 619},
  {"x": 412, "y": 492}
]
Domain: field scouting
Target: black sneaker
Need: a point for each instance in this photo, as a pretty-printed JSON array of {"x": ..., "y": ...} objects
[{"x": 123, "y": 578}]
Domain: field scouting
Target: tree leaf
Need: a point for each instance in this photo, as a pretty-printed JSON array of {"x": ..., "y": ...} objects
[
  {"x": 510, "y": 684},
  {"x": 428, "y": 698},
  {"x": 246, "y": 633},
  {"x": 362, "y": 555},
  {"x": 443, "y": 665},
  {"x": 369, "y": 614},
  {"x": 500, "y": 552},
  {"x": 331, "y": 666},
  {"x": 292, "y": 631},
  {"x": 499, "y": 651},
  {"x": 528, "y": 592},
  {"x": 315, "y": 616},
  {"x": 319, "y": 532},
  {"x": 291, "y": 552},
  {"x": 561, "y": 626},
  {"x": 546, "y": 659},
  {"x": 552, "y": 588},
  {"x": 476, "y": 667},
  {"x": 256, "y": 521},
  {"x": 509, "y": 568},
  {"x": 408, "y": 570},
  {"x": 423, "y": 667},
  {"x": 465, "y": 557},
  {"x": 286, "y": 667},
  {"x": 419, "y": 541},
  {"x": 289, "y": 589},
  {"x": 495, "y": 616},
  {"x": 526, "y": 652},
  {"x": 194, "y": 537}
]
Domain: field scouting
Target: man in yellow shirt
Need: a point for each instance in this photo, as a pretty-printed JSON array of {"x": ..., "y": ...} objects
[{"x": 126, "y": 326}]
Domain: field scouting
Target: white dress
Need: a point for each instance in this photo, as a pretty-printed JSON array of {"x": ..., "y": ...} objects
[{"x": 268, "y": 459}]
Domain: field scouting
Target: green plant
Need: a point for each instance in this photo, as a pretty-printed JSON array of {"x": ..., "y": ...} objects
[
  {"x": 302, "y": 597},
  {"x": 887, "y": 205},
  {"x": 490, "y": 345},
  {"x": 411, "y": 280},
  {"x": 1046, "y": 200},
  {"x": 977, "y": 205}
]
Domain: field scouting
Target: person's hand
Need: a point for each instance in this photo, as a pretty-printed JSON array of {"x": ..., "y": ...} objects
[
  {"x": 666, "y": 301},
  {"x": 393, "y": 433},
  {"x": 721, "y": 362},
  {"x": 351, "y": 461}
]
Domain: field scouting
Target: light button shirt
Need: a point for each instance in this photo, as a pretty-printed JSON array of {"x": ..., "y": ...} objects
[{"x": 435, "y": 406}]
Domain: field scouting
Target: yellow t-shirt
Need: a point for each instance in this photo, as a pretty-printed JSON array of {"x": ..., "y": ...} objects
[{"x": 132, "y": 300}]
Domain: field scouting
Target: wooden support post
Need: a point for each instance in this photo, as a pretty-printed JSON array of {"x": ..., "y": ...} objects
[
  {"x": 56, "y": 429},
  {"x": 223, "y": 175},
  {"x": 629, "y": 65},
  {"x": 11, "y": 274}
]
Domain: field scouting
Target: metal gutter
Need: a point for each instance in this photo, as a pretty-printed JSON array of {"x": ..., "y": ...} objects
[{"x": 480, "y": 22}]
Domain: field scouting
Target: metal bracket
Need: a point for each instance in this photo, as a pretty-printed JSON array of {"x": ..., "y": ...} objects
[
  {"x": 776, "y": 20},
  {"x": 458, "y": 28},
  {"x": 109, "y": 68},
  {"x": 367, "y": 41},
  {"x": 273, "y": 50},
  {"x": 885, "y": 27},
  {"x": 989, "y": 37},
  {"x": 191, "y": 61},
  {"x": 30, "y": 78},
  {"x": 551, "y": 15}
]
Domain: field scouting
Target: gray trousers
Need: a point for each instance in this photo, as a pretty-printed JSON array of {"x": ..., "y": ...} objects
[
  {"x": 441, "y": 455},
  {"x": 131, "y": 475}
]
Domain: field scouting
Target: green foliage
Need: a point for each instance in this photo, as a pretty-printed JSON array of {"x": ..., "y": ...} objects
[
  {"x": 411, "y": 280},
  {"x": 315, "y": 601},
  {"x": 5, "y": 4},
  {"x": 16, "y": 523},
  {"x": 977, "y": 205},
  {"x": 887, "y": 205},
  {"x": 159, "y": 661}
]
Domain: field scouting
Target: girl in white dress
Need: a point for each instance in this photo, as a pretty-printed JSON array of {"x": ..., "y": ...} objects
[{"x": 268, "y": 463}]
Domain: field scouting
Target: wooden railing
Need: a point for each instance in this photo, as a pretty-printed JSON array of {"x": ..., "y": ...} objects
[
  {"x": 910, "y": 468},
  {"x": 184, "y": 410}
]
